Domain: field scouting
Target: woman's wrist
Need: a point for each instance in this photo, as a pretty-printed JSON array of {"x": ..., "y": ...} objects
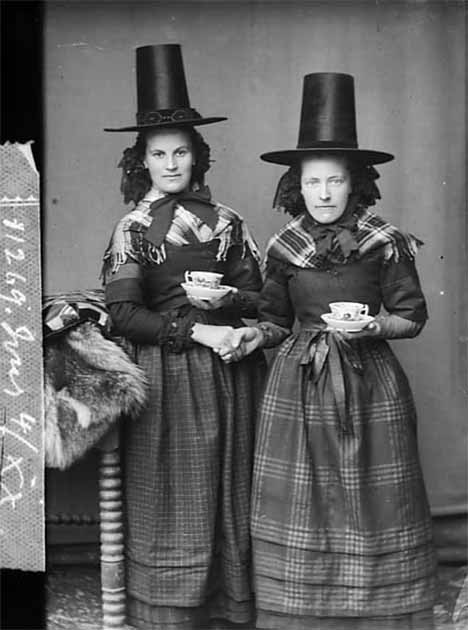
[
  {"x": 197, "y": 331},
  {"x": 272, "y": 335},
  {"x": 260, "y": 336}
]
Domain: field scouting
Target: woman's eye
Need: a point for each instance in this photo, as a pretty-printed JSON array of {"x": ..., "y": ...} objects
[
  {"x": 337, "y": 181},
  {"x": 182, "y": 152}
]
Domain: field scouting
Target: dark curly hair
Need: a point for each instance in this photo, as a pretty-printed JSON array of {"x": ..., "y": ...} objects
[
  {"x": 136, "y": 180},
  {"x": 288, "y": 197}
]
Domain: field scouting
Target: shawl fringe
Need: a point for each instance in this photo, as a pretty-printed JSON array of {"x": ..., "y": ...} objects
[
  {"x": 294, "y": 244},
  {"x": 128, "y": 240}
]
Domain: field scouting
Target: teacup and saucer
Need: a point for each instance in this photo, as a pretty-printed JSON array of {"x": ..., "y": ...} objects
[
  {"x": 348, "y": 316},
  {"x": 205, "y": 285}
]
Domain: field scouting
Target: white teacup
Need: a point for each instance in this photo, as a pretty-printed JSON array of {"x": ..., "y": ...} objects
[
  {"x": 349, "y": 310},
  {"x": 204, "y": 278}
]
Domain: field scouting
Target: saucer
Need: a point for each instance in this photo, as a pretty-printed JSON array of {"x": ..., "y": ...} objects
[
  {"x": 348, "y": 325},
  {"x": 205, "y": 293}
]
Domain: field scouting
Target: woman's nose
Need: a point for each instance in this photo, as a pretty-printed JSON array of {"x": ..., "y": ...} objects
[
  {"x": 324, "y": 192},
  {"x": 171, "y": 163}
]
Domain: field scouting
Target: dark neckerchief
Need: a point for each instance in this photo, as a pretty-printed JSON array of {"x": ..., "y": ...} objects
[
  {"x": 341, "y": 232},
  {"x": 162, "y": 212}
]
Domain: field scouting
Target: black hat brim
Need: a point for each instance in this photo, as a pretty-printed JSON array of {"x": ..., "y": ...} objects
[
  {"x": 171, "y": 123},
  {"x": 292, "y": 156}
]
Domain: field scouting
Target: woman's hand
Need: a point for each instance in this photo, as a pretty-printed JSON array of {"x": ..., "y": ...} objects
[
  {"x": 387, "y": 327},
  {"x": 373, "y": 329},
  {"x": 210, "y": 335},
  {"x": 240, "y": 343},
  {"x": 213, "y": 303}
]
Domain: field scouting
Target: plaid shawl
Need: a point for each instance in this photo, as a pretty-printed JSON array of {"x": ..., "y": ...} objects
[
  {"x": 129, "y": 242},
  {"x": 295, "y": 244}
]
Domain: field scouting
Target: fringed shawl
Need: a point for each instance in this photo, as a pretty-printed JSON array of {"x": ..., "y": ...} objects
[
  {"x": 129, "y": 240},
  {"x": 295, "y": 244}
]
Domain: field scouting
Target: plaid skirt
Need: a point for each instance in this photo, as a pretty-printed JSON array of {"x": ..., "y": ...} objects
[
  {"x": 188, "y": 467},
  {"x": 340, "y": 520}
]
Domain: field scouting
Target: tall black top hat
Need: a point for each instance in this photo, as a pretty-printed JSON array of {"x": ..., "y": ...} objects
[
  {"x": 328, "y": 121},
  {"x": 162, "y": 95}
]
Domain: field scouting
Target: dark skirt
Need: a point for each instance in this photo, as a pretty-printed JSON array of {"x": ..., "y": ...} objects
[
  {"x": 340, "y": 520},
  {"x": 188, "y": 465}
]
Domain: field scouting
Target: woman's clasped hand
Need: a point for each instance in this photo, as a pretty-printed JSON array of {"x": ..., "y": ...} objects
[
  {"x": 239, "y": 343},
  {"x": 236, "y": 343}
]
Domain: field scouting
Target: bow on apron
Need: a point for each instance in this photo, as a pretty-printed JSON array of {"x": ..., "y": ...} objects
[{"x": 334, "y": 352}]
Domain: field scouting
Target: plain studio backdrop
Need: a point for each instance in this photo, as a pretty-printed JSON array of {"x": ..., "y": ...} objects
[{"x": 246, "y": 60}]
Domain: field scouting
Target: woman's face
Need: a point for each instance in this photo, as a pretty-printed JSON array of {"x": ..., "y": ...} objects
[
  {"x": 325, "y": 186},
  {"x": 169, "y": 158}
]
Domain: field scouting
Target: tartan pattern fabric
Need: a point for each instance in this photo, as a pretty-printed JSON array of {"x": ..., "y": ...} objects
[
  {"x": 211, "y": 615},
  {"x": 62, "y": 311},
  {"x": 128, "y": 239},
  {"x": 420, "y": 620},
  {"x": 294, "y": 243},
  {"x": 188, "y": 462},
  {"x": 340, "y": 520}
]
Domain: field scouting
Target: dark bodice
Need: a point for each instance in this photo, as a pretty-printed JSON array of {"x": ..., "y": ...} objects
[
  {"x": 161, "y": 284},
  {"x": 292, "y": 292}
]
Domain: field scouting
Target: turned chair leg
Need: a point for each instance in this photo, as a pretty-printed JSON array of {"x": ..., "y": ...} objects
[{"x": 112, "y": 534}]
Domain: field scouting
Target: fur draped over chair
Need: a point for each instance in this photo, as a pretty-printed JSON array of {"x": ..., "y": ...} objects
[{"x": 90, "y": 382}]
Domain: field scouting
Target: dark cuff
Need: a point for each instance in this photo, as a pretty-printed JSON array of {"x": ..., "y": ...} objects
[
  {"x": 176, "y": 330},
  {"x": 273, "y": 334}
]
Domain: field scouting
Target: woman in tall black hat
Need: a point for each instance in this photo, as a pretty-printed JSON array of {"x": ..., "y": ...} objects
[
  {"x": 340, "y": 520},
  {"x": 188, "y": 459}
]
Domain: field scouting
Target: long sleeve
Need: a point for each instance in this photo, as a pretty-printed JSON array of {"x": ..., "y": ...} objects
[
  {"x": 403, "y": 300},
  {"x": 133, "y": 320},
  {"x": 275, "y": 311},
  {"x": 401, "y": 290}
]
